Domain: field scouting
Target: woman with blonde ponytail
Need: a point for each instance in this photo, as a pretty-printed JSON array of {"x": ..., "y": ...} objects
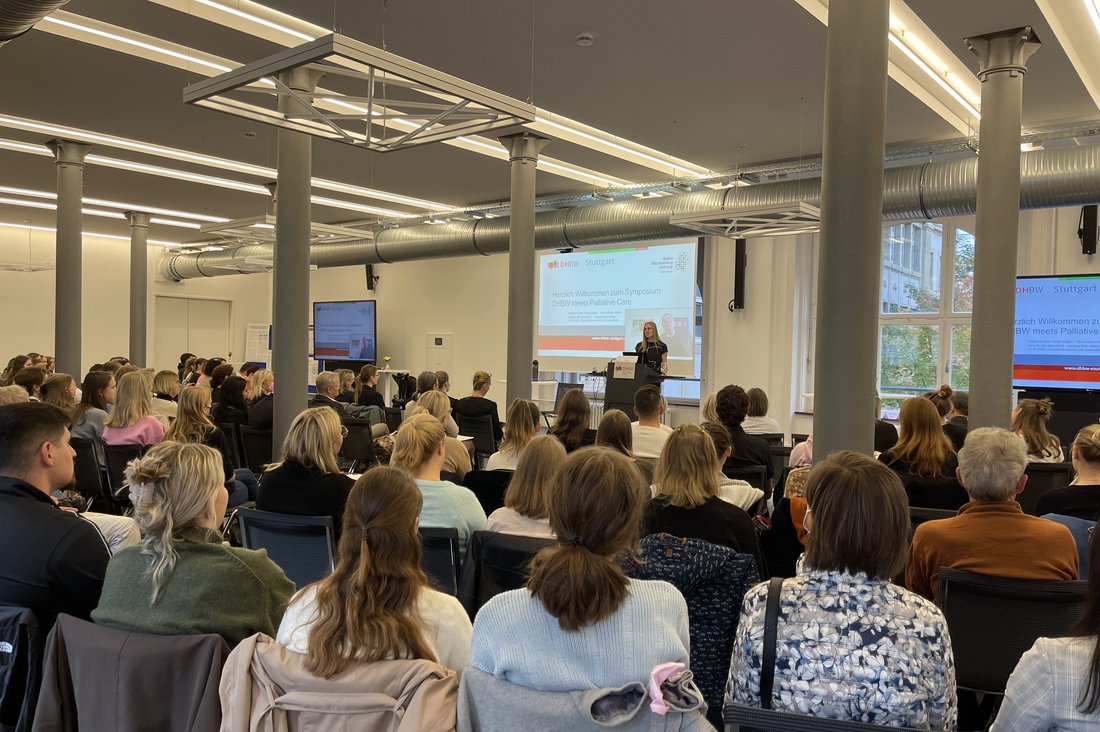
[
  {"x": 1082, "y": 499},
  {"x": 182, "y": 579},
  {"x": 581, "y": 623},
  {"x": 376, "y": 605}
]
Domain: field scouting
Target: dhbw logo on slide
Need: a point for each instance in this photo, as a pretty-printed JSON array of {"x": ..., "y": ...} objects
[{"x": 562, "y": 264}]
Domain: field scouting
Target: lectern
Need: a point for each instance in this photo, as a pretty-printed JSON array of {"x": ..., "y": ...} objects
[{"x": 624, "y": 377}]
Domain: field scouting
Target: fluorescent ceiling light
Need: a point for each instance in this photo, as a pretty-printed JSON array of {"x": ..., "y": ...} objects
[
  {"x": 901, "y": 42},
  {"x": 1077, "y": 28},
  {"x": 119, "y": 205},
  {"x": 75, "y": 25},
  {"x": 50, "y": 229},
  {"x": 259, "y": 22}
]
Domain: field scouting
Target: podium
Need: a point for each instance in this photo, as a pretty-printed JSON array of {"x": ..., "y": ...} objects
[{"x": 623, "y": 382}]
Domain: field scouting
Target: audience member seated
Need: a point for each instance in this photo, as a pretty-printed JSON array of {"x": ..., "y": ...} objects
[
  {"x": 924, "y": 459},
  {"x": 232, "y": 408},
  {"x": 991, "y": 535},
  {"x": 580, "y": 623},
  {"x": 802, "y": 454},
  {"x": 112, "y": 368},
  {"x": 456, "y": 455},
  {"x": 958, "y": 418},
  {"x": 649, "y": 434},
  {"x": 60, "y": 391},
  {"x": 247, "y": 369},
  {"x": 426, "y": 383},
  {"x": 376, "y": 605},
  {"x": 166, "y": 390},
  {"x": 615, "y": 434},
  {"x": 328, "y": 388},
  {"x": 749, "y": 451},
  {"x": 97, "y": 395},
  {"x": 347, "y": 386},
  {"x": 1029, "y": 420},
  {"x": 709, "y": 408},
  {"x": 261, "y": 410},
  {"x": 419, "y": 450},
  {"x": 192, "y": 424},
  {"x": 208, "y": 367},
  {"x": 1056, "y": 684},
  {"x": 476, "y": 406},
  {"x": 444, "y": 381},
  {"x": 1082, "y": 498},
  {"x": 522, "y": 425},
  {"x": 183, "y": 579},
  {"x": 132, "y": 421},
  {"x": 685, "y": 497},
  {"x": 51, "y": 561},
  {"x": 758, "y": 422},
  {"x": 366, "y": 388},
  {"x": 730, "y": 490},
  {"x": 31, "y": 379},
  {"x": 850, "y": 645},
  {"x": 306, "y": 480},
  {"x": 218, "y": 376},
  {"x": 14, "y": 365},
  {"x": 526, "y": 501},
  {"x": 571, "y": 425},
  {"x": 13, "y": 395},
  {"x": 886, "y": 435},
  {"x": 941, "y": 398},
  {"x": 192, "y": 369},
  {"x": 187, "y": 360}
]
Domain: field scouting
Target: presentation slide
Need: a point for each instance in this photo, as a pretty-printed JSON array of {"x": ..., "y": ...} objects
[
  {"x": 593, "y": 304},
  {"x": 344, "y": 331},
  {"x": 1057, "y": 343}
]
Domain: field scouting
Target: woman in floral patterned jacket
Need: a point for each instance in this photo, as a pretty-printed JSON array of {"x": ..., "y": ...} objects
[{"x": 851, "y": 644}]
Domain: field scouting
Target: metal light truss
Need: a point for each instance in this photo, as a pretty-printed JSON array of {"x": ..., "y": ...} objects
[
  {"x": 746, "y": 223},
  {"x": 261, "y": 229},
  {"x": 402, "y": 103}
]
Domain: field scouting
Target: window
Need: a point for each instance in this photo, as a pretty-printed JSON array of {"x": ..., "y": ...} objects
[{"x": 924, "y": 321}]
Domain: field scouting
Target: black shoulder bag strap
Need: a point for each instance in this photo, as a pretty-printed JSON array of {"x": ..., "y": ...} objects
[{"x": 771, "y": 628}]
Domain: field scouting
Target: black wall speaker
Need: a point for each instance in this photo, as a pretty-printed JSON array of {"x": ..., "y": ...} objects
[
  {"x": 371, "y": 279},
  {"x": 1086, "y": 229},
  {"x": 740, "y": 262}
]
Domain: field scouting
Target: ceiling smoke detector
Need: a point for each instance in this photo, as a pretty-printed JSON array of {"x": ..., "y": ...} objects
[{"x": 585, "y": 39}]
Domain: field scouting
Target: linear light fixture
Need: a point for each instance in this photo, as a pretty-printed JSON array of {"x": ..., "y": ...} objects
[
  {"x": 116, "y": 237},
  {"x": 96, "y": 212},
  {"x": 1077, "y": 27},
  {"x": 30, "y": 193},
  {"x": 281, "y": 28},
  {"x": 925, "y": 67},
  {"x": 75, "y": 29}
]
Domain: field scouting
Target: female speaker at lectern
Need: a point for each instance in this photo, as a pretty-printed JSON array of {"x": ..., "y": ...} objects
[{"x": 651, "y": 349}]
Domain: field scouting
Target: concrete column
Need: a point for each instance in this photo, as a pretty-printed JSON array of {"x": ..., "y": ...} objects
[
  {"x": 1001, "y": 59},
  {"x": 851, "y": 225},
  {"x": 139, "y": 286},
  {"x": 69, "y": 157},
  {"x": 290, "y": 309},
  {"x": 523, "y": 154}
]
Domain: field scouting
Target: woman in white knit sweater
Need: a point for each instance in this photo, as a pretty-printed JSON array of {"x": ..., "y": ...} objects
[{"x": 581, "y": 623}]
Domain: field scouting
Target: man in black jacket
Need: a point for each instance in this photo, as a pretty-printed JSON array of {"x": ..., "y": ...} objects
[{"x": 51, "y": 560}]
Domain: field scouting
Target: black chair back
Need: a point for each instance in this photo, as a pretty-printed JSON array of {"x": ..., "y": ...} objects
[
  {"x": 994, "y": 620},
  {"x": 740, "y": 718},
  {"x": 489, "y": 487},
  {"x": 780, "y": 544},
  {"x": 481, "y": 429},
  {"x": 772, "y": 438},
  {"x": 301, "y": 545},
  {"x": 90, "y": 480},
  {"x": 256, "y": 445},
  {"x": 1043, "y": 477},
  {"x": 496, "y": 563},
  {"x": 781, "y": 455},
  {"x": 754, "y": 475},
  {"x": 439, "y": 558},
  {"x": 358, "y": 447},
  {"x": 117, "y": 457},
  {"x": 918, "y": 515},
  {"x": 797, "y": 437},
  {"x": 232, "y": 434}
]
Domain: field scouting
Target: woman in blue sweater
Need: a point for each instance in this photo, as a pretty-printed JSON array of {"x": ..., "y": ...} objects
[{"x": 581, "y": 623}]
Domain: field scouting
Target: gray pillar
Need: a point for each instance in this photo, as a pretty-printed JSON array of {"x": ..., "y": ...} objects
[
  {"x": 68, "y": 274},
  {"x": 523, "y": 154},
  {"x": 1001, "y": 59},
  {"x": 851, "y": 225},
  {"x": 290, "y": 309},
  {"x": 139, "y": 286}
]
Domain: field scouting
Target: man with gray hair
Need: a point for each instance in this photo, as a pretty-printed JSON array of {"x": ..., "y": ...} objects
[
  {"x": 328, "y": 388},
  {"x": 991, "y": 535}
]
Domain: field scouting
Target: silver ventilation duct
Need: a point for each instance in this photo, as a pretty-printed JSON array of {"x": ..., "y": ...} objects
[
  {"x": 1049, "y": 179},
  {"x": 19, "y": 16}
]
